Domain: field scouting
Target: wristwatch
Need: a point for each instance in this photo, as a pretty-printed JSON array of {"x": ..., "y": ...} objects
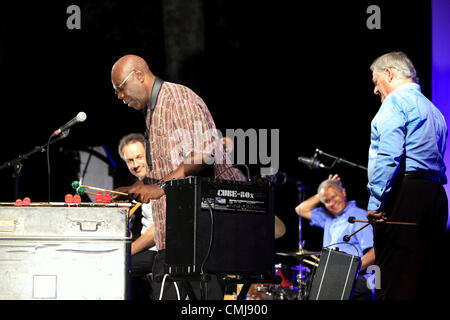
[{"x": 161, "y": 184}]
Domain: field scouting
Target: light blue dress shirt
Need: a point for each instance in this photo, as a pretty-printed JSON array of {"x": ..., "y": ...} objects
[
  {"x": 407, "y": 127},
  {"x": 335, "y": 228}
]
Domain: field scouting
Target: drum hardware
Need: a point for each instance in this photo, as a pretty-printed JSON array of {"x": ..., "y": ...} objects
[
  {"x": 293, "y": 282},
  {"x": 246, "y": 284},
  {"x": 311, "y": 263}
]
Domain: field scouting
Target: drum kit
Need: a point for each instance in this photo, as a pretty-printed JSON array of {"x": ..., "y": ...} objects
[{"x": 294, "y": 277}]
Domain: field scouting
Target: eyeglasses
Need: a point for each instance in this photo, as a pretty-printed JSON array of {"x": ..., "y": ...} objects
[{"x": 119, "y": 88}]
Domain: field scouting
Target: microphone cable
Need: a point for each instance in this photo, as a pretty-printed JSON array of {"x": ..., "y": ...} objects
[
  {"x": 48, "y": 169},
  {"x": 63, "y": 135}
]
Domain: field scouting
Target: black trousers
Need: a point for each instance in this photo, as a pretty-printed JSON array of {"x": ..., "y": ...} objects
[
  {"x": 141, "y": 265},
  {"x": 408, "y": 256},
  {"x": 362, "y": 291},
  {"x": 215, "y": 284}
]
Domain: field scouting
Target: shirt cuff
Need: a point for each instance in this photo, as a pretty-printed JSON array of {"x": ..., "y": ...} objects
[{"x": 374, "y": 204}]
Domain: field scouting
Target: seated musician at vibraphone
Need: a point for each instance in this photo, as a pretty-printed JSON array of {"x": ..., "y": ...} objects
[
  {"x": 333, "y": 218},
  {"x": 143, "y": 249}
]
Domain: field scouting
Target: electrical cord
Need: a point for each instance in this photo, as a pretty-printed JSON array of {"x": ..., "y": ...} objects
[
  {"x": 48, "y": 169},
  {"x": 63, "y": 135},
  {"x": 176, "y": 288},
  {"x": 162, "y": 288},
  {"x": 348, "y": 243},
  {"x": 211, "y": 234}
]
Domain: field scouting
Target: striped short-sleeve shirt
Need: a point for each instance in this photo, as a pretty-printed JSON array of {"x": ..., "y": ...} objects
[{"x": 181, "y": 123}]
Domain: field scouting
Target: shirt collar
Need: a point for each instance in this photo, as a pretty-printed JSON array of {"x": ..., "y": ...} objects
[
  {"x": 351, "y": 204},
  {"x": 409, "y": 86}
]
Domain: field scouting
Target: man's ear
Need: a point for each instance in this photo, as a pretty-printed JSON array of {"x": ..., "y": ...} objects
[
  {"x": 139, "y": 75},
  {"x": 344, "y": 193},
  {"x": 389, "y": 73}
]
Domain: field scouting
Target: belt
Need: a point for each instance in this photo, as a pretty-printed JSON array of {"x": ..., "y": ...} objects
[{"x": 424, "y": 175}]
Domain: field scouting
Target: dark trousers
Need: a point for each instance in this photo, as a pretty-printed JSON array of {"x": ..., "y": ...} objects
[
  {"x": 141, "y": 265},
  {"x": 215, "y": 284},
  {"x": 361, "y": 290},
  {"x": 408, "y": 256}
]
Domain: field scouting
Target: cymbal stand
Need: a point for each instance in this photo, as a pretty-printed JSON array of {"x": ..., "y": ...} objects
[
  {"x": 301, "y": 198},
  {"x": 302, "y": 269}
]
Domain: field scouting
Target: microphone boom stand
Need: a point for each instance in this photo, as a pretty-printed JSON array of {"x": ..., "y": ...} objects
[
  {"x": 17, "y": 165},
  {"x": 339, "y": 160}
]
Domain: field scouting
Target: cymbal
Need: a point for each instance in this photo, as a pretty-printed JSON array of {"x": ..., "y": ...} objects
[
  {"x": 302, "y": 253},
  {"x": 280, "y": 228}
]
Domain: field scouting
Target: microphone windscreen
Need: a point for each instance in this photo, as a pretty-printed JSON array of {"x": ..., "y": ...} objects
[
  {"x": 81, "y": 116},
  {"x": 351, "y": 219}
]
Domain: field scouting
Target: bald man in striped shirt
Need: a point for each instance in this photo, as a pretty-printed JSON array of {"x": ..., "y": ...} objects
[{"x": 181, "y": 141}]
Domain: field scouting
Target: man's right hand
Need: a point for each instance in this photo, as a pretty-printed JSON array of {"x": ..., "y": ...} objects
[
  {"x": 334, "y": 177},
  {"x": 122, "y": 198},
  {"x": 375, "y": 217}
]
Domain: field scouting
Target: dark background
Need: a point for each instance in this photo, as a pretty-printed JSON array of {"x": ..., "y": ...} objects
[{"x": 302, "y": 68}]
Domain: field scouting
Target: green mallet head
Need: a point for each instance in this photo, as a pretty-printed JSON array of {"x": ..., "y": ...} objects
[
  {"x": 75, "y": 184},
  {"x": 80, "y": 191}
]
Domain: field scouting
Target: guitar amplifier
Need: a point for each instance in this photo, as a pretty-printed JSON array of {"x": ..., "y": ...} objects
[
  {"x": 219, "y": 226},
  {"x": 335, "y": 277}
]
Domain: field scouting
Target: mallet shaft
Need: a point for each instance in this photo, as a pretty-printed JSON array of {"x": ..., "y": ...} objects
[
  {"x": 351, "y": 235},
  {"x": 104, "y": 190},
  {"x": 392, "y": 222}
]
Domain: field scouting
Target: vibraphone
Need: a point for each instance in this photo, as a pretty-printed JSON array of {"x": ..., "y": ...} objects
[{"x": 61, "y": 250}]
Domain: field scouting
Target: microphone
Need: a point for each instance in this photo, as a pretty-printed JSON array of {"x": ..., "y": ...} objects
[
  {"x": 81, "y": 116},
  {"x": 312, "y": 163},
  {"x": 351, "y": 220}
]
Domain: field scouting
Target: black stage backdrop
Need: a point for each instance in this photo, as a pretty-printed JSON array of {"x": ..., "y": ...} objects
[{"x": 302, "y": 68}]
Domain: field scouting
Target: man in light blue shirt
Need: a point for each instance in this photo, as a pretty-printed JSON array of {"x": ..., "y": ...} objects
[
  {"x": 406, "y": 171},
  {"x": 333, "y": 217}
]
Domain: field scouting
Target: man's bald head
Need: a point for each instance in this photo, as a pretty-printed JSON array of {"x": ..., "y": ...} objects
[
  {"x": 128, "y": 63},
  {"x": 132, "y": 80}
]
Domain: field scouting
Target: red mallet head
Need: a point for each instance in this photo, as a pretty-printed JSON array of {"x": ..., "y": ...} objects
[
  {"x": 18, "y": 203},
  {"x": 76, "y": 198},
  {"x": 106, "y": 198},
  {"x": 99, "y": 197},
  {"x": 26, "y": 201},
  {"x": 68, "y": 198}
]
